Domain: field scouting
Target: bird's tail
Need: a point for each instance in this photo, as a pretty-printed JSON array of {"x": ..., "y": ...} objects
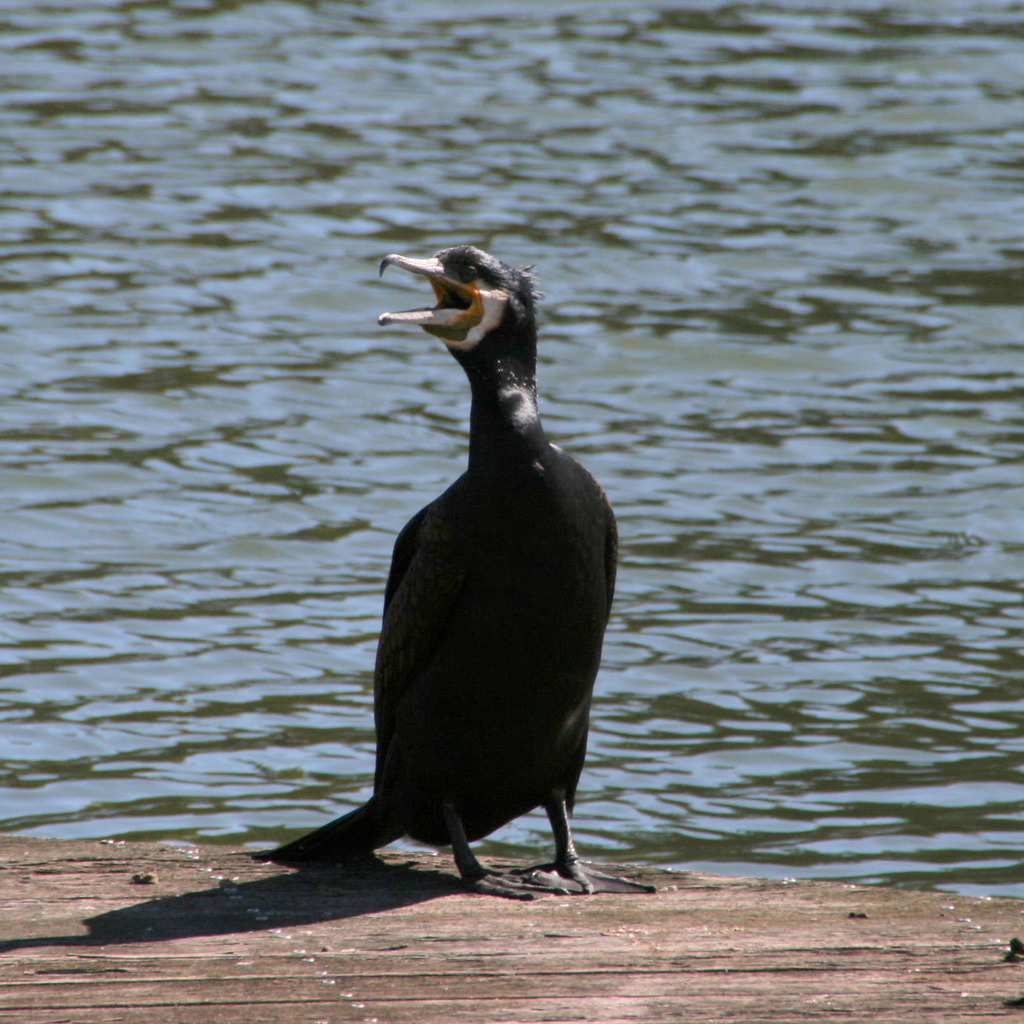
[{"x": 359, "y": 832}]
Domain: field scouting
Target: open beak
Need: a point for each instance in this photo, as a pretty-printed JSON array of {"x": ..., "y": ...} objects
[{"x": 459, "y": 308}]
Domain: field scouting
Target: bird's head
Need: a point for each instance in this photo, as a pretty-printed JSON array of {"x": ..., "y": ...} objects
[{"x": 482, "y": 303}]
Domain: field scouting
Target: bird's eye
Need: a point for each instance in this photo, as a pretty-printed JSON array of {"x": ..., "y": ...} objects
[{"x": 465, "y": 273}]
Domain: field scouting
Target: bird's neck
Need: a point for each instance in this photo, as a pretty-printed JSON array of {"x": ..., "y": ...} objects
[{"x": 505, "y": 427}]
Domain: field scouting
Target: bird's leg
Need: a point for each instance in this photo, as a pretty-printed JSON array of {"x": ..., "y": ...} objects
[
  {"x": 476, "y": 876},
  {"x": 566, "y": 857},
  {"x": 568, "y": 872}
]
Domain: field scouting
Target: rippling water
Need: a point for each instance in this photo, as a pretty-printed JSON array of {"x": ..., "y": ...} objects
[{"x": 782, "y": 248}]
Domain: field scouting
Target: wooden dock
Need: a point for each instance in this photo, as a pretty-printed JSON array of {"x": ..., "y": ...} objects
[{"x": 98, "y": 932}]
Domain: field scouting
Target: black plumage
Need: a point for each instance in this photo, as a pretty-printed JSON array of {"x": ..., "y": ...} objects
[{"x": 494, "y": 612}]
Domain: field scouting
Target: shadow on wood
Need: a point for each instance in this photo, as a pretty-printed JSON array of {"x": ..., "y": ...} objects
[{"x": 308, "y": 896}]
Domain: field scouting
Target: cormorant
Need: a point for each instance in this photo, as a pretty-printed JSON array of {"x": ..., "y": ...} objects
[{"x": 494, "y": 612}]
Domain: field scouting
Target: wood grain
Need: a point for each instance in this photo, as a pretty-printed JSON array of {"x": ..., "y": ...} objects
[{"x": 214, "y": 937}]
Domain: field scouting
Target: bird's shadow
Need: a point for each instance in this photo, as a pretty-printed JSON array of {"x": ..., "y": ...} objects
[{"x": 308, "y": 896}]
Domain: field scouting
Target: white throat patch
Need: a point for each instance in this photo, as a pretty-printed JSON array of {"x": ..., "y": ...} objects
[{"x": 494, "y": 302}]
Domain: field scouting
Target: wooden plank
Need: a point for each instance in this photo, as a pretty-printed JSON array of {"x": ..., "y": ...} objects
[{"x": 216, "y": 938}]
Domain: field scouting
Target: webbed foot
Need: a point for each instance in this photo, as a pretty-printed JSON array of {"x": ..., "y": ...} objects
[
  {"x": 578, "y": 879},
  {"x": 513, "y": 886},
  {"x": 567, "y": 876}
]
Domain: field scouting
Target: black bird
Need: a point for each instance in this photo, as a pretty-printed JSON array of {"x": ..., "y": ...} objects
[{"x": 494, "y": 612}]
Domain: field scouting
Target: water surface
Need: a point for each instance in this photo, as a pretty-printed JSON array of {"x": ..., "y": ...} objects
[{"x": 782, "y": 250}]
